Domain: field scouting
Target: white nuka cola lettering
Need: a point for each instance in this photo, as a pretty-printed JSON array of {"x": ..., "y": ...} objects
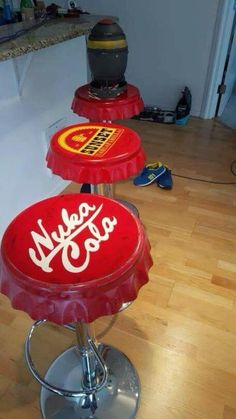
[{"x": 63, "y": 238}]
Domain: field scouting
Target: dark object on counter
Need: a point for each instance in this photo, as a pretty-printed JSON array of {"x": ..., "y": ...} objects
[
  {"x": 52, "y": 10},
  {"x": 183, "y": 107},
  {"x": 18, "y": 16},
  {"x": 107, "y": 56},
  {"x": 2, "y": 20}
]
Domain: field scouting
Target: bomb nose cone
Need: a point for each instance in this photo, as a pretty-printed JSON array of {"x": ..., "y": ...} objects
[{"x": 107, "y": 56}]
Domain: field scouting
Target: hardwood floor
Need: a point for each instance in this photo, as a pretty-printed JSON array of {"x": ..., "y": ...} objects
[{"x": 180, "y": 333}]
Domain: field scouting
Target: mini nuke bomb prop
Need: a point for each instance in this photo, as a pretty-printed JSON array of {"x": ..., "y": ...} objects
[{"x": 107, "y": 56}]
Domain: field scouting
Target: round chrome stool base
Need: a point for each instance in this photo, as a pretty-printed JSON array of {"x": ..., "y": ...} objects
[{"x": 118, "y": 399}]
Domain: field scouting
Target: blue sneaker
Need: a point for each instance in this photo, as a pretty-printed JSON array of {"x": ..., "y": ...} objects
[
  {"x": 165, "y": 180},
  {"x": 149, "y": 174}
]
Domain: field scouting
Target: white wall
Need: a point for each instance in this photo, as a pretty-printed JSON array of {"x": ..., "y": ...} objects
[
  {"x": 169, "y": 45},
  {"x": 49, "y": 78}
]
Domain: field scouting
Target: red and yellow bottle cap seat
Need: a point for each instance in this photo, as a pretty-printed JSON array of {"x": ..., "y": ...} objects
[{"x": 95, "y": 153}]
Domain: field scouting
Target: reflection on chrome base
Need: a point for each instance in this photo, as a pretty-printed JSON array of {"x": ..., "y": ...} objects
[
  {"x": 87, "y": 381},
  {"x": 119, "y": 398}
]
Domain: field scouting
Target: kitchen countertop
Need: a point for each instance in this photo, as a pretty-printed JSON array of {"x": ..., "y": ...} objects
[{"x": 49, "y": 33}]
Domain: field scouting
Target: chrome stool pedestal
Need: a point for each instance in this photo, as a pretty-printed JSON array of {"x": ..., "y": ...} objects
[{"x": 87, "y": 381}]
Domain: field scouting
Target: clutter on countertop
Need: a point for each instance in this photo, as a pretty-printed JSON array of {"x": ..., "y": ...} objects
[
  {"x": 23, "y": 37},
  {"x": 71, "y": 12},
  {"x": 35, "y": 9}
]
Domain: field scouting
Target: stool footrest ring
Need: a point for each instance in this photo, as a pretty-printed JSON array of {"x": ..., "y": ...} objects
[{"x": 54, "y": 389}]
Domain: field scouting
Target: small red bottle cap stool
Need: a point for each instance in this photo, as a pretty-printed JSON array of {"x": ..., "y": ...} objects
[
  {"x": 95, "y": 153},
  {"x": 127, "y": 105},
  {"x": 73, "y": 258}
]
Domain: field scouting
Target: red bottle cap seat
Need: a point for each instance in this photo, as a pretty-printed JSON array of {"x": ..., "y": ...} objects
[
  {"x": 95, "y": 153},
  {"x": 127, "y": 105},
  {"x": 73, "y": 257}
]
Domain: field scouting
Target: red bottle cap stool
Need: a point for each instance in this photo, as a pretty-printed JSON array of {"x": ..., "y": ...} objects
[
  {"x": 127, "y": 105},
  {"x": 74, "y": 258},
  {"x": 99, "y": 153},
  {"x": 95, "y": 153}
]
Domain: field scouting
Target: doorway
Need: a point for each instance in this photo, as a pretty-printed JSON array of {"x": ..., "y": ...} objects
[
  {"x": 221, "y": 76},
  {"x": 226, "y": 105}
]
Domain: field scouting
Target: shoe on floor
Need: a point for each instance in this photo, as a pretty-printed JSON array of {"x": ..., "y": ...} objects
[
  {"x": 149, "y": 174},
  {"x": 165, "y": 180}
]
